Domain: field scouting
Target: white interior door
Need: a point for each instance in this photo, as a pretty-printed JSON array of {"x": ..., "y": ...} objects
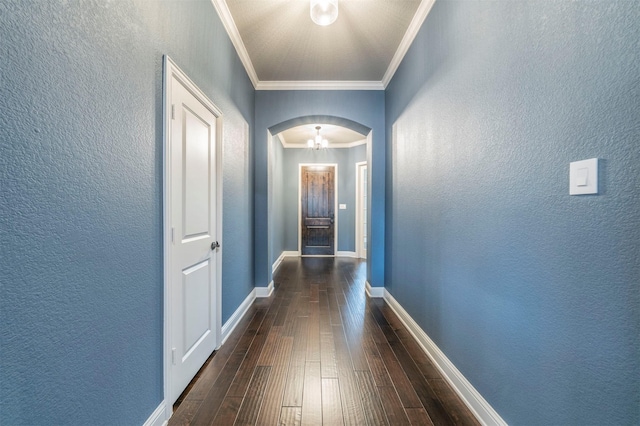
[{"x": 192, "y": 276}]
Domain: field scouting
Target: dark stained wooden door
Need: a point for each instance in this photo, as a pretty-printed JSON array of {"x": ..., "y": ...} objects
[{"x": 318, "y": 210}]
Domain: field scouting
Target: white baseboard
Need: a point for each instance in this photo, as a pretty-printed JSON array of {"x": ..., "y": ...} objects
[
  {"x": 277, "y": 263},
  {"x": 476, "y": 403},
  {"x": 264, "y": 291},
  {"x": 280, "y": 258},
  {"x": 233, "y": 321},
  {"x": 346, "y": 254},
  {"x": 158, "y": 417},
  {"x": 373, "y": 291}
]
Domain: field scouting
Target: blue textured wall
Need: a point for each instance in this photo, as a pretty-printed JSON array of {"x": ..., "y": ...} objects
[
  {"x": 345, "y": 158},
  {"x": 533, "y": 294},
  {"x": 81, "y": 199},
  {"x": 276, "y": 107}
]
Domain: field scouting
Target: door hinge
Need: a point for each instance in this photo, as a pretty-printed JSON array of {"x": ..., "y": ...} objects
[
  {"x": 173, "y": 234},
  {"x": 173, "y": 112},
  {"x": 173, "y": 356}
]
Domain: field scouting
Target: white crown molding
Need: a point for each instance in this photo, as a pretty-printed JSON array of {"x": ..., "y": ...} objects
[
  {"x": 232, "y": 30},
  {"x": 229, "y": 24},
  {"x": 319, "y": 85},
  {"x": 412, "y": 31},
  {"x": 289, "y": 145},
  {"x": 352, "y": 144}
]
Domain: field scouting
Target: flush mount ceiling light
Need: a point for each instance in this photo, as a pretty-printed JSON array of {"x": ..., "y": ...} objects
[
  {"x": 324, "y": 12},
  {"x": 318, "y": 142}
]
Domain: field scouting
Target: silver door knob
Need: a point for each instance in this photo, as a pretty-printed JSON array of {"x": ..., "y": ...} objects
[{"x": 215, "y": 245}]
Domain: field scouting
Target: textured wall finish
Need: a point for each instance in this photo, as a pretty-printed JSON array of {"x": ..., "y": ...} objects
[
  {"x": 81, "y": 199},
  {"x": 533, "y": 294}
]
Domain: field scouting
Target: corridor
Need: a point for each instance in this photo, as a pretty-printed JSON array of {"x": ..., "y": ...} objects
[{"x": 319, "y": 351}]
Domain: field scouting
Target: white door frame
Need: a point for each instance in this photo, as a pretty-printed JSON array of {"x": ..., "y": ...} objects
[
  {"x": 335, "y": 204},
  {"x": 358, "y": 204},
  {"x": 171, "y": 70}
]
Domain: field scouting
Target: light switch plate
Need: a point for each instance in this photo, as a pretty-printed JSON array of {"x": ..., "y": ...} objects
[{"x": 583, "y": 177}]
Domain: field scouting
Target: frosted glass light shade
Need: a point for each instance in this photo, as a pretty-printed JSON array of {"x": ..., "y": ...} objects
[
  {"x": 324, "y": 12},
  {"x": 317, "y": 142}
]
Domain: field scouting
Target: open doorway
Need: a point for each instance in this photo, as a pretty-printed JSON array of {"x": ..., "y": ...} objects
[{"x": 289, "y": 150}]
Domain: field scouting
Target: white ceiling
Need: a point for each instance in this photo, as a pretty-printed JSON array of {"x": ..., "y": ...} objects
[
  {"x": 337, "y": 136},
  {"x": 281, "y": 47}
]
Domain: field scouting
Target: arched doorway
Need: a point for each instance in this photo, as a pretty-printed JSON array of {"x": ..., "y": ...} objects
[{"x": 285, "y": 221}]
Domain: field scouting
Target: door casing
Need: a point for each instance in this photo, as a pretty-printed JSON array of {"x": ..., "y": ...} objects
[
  {"x": 335, "y": 204},
  {"x": 360, "y": 251},
  {"x": 171, "y": 70}
]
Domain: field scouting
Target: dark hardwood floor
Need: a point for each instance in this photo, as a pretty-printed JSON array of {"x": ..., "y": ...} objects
[{"x": 319, "y": 351}]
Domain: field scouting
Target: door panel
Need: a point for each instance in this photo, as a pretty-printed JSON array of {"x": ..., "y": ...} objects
[
  {"x": 197, "y": 293},
  {"x": 318, "y": 210},
  {"x": 193, "y": 220},
  {"x": 196, "y": 183}
]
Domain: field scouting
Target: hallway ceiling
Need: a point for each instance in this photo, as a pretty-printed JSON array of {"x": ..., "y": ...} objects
[
  {"x": 281, "y": 48},
  {"x": 337, "y": 136}
]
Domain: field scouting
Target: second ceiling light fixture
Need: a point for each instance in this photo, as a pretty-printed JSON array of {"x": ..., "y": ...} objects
[{"x": 318, "y": 142}]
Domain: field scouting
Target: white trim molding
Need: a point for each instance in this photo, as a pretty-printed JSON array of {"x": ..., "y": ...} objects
[
  {"x": 232, "y": 31},
  {"x": 235, "y": 318},
  {"x": 373, "y": 291},
  {"x": 277, "y": 263},
  {"x": 469, "y": 395},
  {"x": 319, "y": 85},
  {"x": 303, "y": 145},
  {"x": 361, "y": 252},
  {"x": 346, "y": 254},
  {"x": 280, "y": 258},
  {"x": 351, "y": 144},
  {"x": 158, "y": 417},
  {"x": 264, "y": 291},
  {"x": 414, "y": 26}
]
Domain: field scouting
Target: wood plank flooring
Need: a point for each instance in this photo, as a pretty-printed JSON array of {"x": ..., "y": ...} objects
[{"x": 320, "y": 352}]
